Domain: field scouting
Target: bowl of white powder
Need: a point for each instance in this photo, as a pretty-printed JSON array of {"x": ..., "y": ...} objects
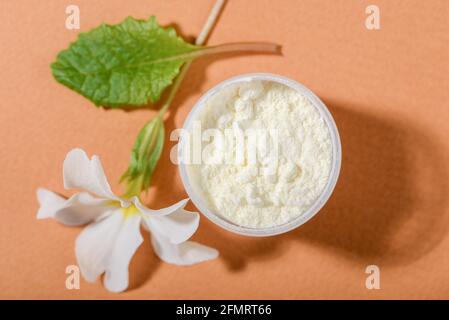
[{"x": 259, "y": 154}]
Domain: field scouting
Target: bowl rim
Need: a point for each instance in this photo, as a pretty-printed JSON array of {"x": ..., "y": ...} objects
[{"x": 320, "y": 201}]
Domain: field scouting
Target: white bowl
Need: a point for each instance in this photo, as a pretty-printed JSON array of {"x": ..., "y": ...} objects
[{"x": 319, "y": 203}]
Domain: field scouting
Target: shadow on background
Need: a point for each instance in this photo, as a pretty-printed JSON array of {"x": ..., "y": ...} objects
[
  {"x": 389, "y": 205},
  {"x": 383, "y": 210},
  {"x": 390, "y": 201}
]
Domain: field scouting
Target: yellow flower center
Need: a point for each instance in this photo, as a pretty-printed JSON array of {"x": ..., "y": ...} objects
[
  {"x": 127, "y": 212},
  {"x": 131, "y": 210}
]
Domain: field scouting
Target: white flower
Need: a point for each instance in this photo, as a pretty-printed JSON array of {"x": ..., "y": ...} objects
[{"x": 112, "y": 237}]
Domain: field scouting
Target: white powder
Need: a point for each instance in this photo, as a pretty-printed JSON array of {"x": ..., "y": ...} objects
[{"x": 267, "y": 192}]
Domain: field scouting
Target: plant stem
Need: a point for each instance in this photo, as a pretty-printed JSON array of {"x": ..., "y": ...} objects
[
  {"x": 136, "y": 184},
  {"x": 210, "y": 22},
  {"x": 204, "y": 34},
  {"x": 134, "y": 187}
]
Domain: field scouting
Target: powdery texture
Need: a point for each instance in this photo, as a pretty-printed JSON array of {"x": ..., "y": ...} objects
[{"x": 266, "y": 193}]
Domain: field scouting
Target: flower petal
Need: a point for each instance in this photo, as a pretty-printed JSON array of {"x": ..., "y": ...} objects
[
  {"x": 94, "y": 244},
  {"x": 79, "y": 209},
  {"x": 186, "y": 253},
  {"x": 49, "y": 203},
  {"x": 84, "y": 173},
  {"x": 108, "y": 246},
  {"x": 160, "y": 212},
  {"x": 177, "y": 227},
  {"x": 126, "y": 244}
]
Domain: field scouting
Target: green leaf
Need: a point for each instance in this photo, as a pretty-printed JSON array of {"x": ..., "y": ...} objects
[
  {"x": 128, "y": 64},
  {"x": 144, "y": 157}
]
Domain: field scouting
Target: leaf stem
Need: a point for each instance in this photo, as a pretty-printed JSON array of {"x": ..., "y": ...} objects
[{"x": 222, "y": 48}]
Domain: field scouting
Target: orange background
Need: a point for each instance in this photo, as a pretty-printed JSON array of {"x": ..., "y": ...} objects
[{"x": 388, "y": 91}]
